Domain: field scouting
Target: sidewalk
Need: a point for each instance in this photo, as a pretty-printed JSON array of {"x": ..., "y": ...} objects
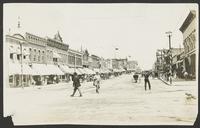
[
  {"x": 62, "y": 85},
  {"x": 180, "y": 82}
]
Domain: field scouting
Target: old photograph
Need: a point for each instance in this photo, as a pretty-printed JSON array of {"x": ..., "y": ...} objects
[{"x": 100, "y": 64}]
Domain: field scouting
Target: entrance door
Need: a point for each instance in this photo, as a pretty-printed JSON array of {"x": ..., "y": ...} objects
[{"x": 187, "y": 65}]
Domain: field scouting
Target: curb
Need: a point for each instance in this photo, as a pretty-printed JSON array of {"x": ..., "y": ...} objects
[{"x": 165, "y": 82}]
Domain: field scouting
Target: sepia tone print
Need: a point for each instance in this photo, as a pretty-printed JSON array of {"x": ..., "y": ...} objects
[{"x": 101, "y": 64}]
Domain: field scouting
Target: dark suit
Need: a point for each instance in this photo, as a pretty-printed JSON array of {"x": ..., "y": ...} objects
[
  {"x": 146, "y": 80},
  {"x": 76, "y": 84}
]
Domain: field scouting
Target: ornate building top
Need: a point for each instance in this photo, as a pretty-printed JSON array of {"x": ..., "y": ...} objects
[{"x": 57, "y": 37}]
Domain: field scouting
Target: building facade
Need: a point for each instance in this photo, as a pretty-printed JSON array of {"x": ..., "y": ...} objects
[
  {"x": 94, "y": 62},
  {"x": 132, "y": 65},
  {"x": 85, "y": 58},
  {"x": 35, "y": 59},
  {"x": 75, "y": 59},
  {"x": 119, "y": 63},
  {"x": 189, "y": 32}
]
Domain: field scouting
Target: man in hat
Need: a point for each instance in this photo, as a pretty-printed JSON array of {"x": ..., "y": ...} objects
[
  {"x": 76, "y": 84},
  {"x": 146, "y": 81}
]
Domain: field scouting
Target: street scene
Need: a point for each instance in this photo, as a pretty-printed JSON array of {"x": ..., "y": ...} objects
[
  {"x": 101, "y": 64},
  {"x": 118, "y": 99}
]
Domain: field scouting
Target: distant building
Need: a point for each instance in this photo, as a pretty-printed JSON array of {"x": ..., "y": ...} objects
[
  {"x": 75, "y": 59},
  {"x": 94, "y": 62},
  {"x": 164, "y": 60},
  {"x": 188, "y": 29},
  {"x": 119, "y": 63},
  {"x": 132, "y": 65}
]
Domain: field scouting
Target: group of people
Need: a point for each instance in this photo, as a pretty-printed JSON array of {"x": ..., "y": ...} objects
[
  {"x": 146, "y": 75},
  {"x": 97, "y": 79},
  {"x": 77, "y": 84}
]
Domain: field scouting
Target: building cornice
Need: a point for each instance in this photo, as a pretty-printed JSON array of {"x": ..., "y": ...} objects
[{"x": 187, "y": 21}]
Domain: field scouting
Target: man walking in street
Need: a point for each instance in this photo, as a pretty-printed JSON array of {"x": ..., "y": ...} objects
[
  {"x": 146, "y": 80},
  {"x": 76, "y": 84}
]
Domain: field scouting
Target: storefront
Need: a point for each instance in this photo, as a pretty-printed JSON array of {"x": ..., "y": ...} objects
[
  {"x": 68, "y": 72},
  {"x": 47, "y": 74},
  {"x": 20, "y": 75}
]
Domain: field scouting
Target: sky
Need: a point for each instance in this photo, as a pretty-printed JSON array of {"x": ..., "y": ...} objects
[{"x": 137, "y": 30}]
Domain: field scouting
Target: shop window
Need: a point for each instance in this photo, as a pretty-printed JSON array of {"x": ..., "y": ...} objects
[
  {"x": 24, "y": 57},
  {"x": 11, "y": 56}
]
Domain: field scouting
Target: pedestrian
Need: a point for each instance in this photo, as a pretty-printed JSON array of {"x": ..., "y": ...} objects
[
  {"x": 135, "y": 76},
  {"x": 139, "y": 78},
  {"x": 76, "y": 84},
  {"x": 170, "y": 77},
  {"x": 185, "y": 75},
  {"x": 96, "y": 82},
  {"x": 146, "y": 80}
]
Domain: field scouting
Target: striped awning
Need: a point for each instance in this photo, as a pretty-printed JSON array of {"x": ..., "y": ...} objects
[
  {"x": 49, "y": 69},
  {"x": 66, "y": 69},
  {"x": 17, "y": 69},
  {"x": 54, "y": 69}
]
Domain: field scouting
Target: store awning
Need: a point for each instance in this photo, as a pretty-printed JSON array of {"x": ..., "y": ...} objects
[
  {"x": 28, "y": 70},
  {"x": 54, "y": 69},
  {"x": 82, "y": 70},
  {"x": 41, "y": 69},
  {"x": 88, "y": 71},
  {"x": 78, "y": 71},
  {"x": 24, "y": 69},
  {"x": 12, "y": 50},
  {"x": 115, "y": 70},
  {"x": 104, "y": 71},
  {"x": 66, "y": 69}
]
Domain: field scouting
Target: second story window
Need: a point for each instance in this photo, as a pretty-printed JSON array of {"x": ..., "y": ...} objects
[
  {"x": 34, "y": 58},
  {"x": 55, "y": 60},
  {"x": 11, "y": 56}
]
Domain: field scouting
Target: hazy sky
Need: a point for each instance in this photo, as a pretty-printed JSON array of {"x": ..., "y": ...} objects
[{"x": 136, "y": 29}]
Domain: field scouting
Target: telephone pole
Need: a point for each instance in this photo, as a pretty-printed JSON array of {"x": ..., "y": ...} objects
[{"x": 169, "y": 33}]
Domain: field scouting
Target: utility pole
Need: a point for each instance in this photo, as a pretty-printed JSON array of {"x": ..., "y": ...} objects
[
  {"x": 21, "y": 66},
  {"x": 169, "y": 33}
]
